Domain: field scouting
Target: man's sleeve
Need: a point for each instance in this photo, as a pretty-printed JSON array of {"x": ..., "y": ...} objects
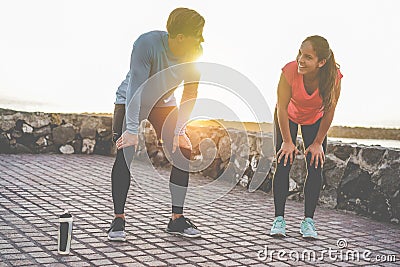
[
  {"x": 188, "y": 100},
  {"x": 140, "y": 71}
]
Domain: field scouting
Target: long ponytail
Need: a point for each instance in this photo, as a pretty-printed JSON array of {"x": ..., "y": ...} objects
[{"x": 327, "y": 73}]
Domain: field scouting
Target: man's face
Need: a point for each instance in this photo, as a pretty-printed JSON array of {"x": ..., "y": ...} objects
[{"x": 191, "y": 44}]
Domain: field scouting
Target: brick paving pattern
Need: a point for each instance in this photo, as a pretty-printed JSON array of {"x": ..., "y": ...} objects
[{"x": 34, "y": 189}]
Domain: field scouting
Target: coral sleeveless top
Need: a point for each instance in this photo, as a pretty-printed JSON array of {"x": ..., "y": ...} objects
[{"x": 303, "y": 109}]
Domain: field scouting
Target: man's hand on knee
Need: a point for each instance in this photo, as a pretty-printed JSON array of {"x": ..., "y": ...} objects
[{"x": 127, "y": 139}]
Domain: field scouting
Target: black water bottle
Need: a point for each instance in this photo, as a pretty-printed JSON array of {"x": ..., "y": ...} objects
[{"x": 65, "y": 233}]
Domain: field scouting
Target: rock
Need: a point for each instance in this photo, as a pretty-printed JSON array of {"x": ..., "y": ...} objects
[
  {"x": 20, "y": 149},
  {"x": 210, "y": 154},
  {"x": 4, "y": 144},
  {"x": 230, "y": 174},
  {"x": 252, "y": 141},
  {"x": 39, "y": 120},
  {"x": 15, "y": 134},
  {"x": 141, "y": 154},
  {"x": 106, "y": 122},
  {"x": 48, "y": 149},
  {"x": 208, "y": 149},
  {"x": 388, "y": 178},
  {"x": 224, "y": 148},
  {"x": 356, "y": 183},
  {"x": 213, "y": 170},
  {"x": 298, "y": 171},
  {"x": 63, "y": 134},
  {"x": 243, "y": 151},
  {"x": 395, "y": 206},
  {"x": 343, "y": 151},
  {"x": 328, "y": 198},
  {"x": 104, "y": 143},
  {"x": 194, "y": 138},
  {"x": 38, "y": 132},
  {"x": 77, "y": 145},
  {"x": 216, "y": 135},
  {"x": 159, "y": 159},
  {"x": 265, "y": 145},
  {"x": 372, "y": 155},
  {"x": 103, "y": 147},
  {"x": 88, "y": 146},
  {"x": 332, "y": 172},
  {"x": 152, "y": 150},
  {"x": 67, "y": 149},
  {"x": 26, "y": 128},
  {"x": 103, "y": 133},
  {"x": 19, "y": 125},
  {"x": 27, "y": 140},
  {"x": 199, "y": 164},
  {"x": 55, "y": 118},
  {"x": 241, "y": 164},
  {"x": 266, "y": 185},
  {"x": 357, "y": 192},
  {"x": 392, "y": 155},
  {"x": 247, "y": 175},
  {"x": 293, "y": 186},
  {"x": 89, "y": 128},
  {"x": 244, "y": 181},
  {"x": 41, "y": 142},
  {"x": 12, "y": 141},
  {"x": 150, "y": 136}
]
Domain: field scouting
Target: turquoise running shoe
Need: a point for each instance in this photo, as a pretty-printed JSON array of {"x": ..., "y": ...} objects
[
  {"x": 307, "y": 228},
  {"x": 278, "y": 227}
]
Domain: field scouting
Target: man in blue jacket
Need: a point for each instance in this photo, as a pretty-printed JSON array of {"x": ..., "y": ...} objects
[{"x": 164, "y": 57}]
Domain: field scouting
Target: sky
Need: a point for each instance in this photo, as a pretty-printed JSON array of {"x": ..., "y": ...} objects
[{"x": 70, "y": 56}]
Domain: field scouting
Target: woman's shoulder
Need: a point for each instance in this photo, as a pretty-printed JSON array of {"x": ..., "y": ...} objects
[
  {"x": 290, "y": 71},
  {"x": 291, "y": 66}
]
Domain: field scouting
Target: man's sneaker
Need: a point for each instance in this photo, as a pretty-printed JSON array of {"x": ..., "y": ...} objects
[
  {"x": 307, "y": 228},
  {"x": 117, "y": 230},
  {"x": 278, "y": 227},
  {"x": 183, "y": 226}
]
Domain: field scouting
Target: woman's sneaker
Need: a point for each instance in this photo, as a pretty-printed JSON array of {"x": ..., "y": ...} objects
[
  {"x": 307, "y": 228},
  {"x": 278, "y": 227},
  {"x": 183, "y": 226},
  {"x": 117, "y": 230}
]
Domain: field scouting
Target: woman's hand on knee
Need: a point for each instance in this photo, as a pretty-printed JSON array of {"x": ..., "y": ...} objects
[
  {"x": 288, "y": 151},
  {"x": 317, "y": 154}
]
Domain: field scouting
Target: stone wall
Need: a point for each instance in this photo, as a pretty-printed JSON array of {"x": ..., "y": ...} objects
[
  {"x": 23, "y": 132},
  {"x": 364, "y": 179}
]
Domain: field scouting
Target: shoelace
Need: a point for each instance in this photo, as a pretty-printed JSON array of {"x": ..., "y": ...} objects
[
  {"x": 278, "y": 223},
  {"x": 308, "y": 226},
  {"x": 190, "y": 224}
]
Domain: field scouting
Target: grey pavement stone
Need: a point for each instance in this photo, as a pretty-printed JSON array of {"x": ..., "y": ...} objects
[{"x": 35, "y": 189}]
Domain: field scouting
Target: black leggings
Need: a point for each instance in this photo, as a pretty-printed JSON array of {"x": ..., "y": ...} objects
[
  {"x": 314, "y": 175},
  {"x": 120, "y": 175}
]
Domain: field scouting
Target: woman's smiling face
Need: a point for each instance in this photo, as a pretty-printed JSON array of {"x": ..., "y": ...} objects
[{"x": 307, "y": 59}]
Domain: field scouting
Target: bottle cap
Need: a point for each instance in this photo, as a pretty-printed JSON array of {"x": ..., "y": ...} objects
[{"x": 66, "y": 214}]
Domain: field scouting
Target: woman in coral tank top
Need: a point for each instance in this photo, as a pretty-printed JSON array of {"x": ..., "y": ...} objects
[{"x": 308, "y": 92}]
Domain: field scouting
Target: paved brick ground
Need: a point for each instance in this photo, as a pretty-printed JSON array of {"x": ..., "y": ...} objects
[{"x": 34, "y": 189}]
